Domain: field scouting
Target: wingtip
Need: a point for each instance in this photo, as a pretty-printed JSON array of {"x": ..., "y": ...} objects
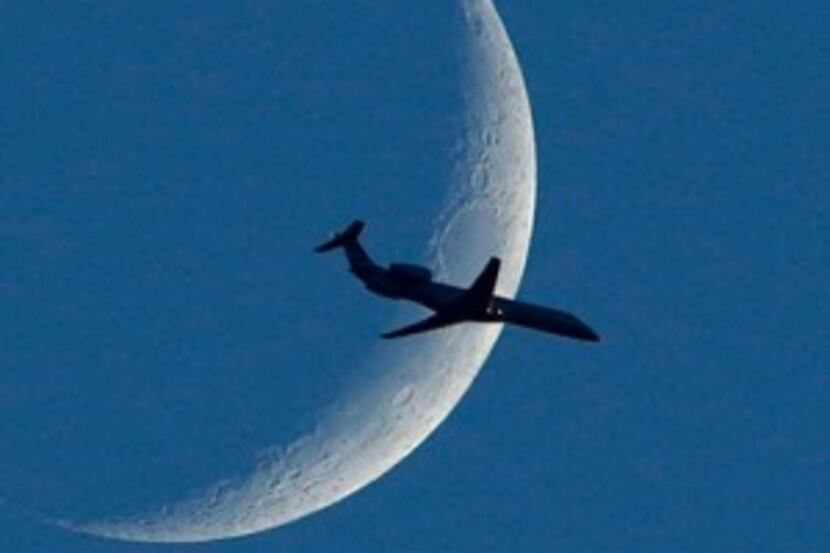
[{"x": 394, "y": 334}]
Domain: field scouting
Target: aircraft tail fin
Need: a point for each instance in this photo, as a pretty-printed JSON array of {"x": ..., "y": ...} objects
[{"x": 348, "y": 236}]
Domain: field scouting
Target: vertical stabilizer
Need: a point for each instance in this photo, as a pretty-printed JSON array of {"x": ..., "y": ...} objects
[{"x": 358, "y": 258}]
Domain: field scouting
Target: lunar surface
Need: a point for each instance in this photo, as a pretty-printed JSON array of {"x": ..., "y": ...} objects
[{"x": 412, "y": 385}]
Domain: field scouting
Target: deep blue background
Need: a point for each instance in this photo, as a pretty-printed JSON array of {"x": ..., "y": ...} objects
[{"x": 165, "y": 168}]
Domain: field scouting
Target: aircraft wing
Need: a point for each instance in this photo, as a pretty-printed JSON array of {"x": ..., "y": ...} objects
[
  {"x": 430, "y": 323},
  {"x": 474, "y": 300},
  {"x": 482, "y": 289},
  {"x": 478, "y": 296}
]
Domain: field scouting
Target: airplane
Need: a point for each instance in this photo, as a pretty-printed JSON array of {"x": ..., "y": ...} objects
[{"x": 451, "y": 305}]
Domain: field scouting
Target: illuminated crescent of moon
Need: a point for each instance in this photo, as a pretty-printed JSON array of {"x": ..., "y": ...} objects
[{"x": 415, "y": 383}]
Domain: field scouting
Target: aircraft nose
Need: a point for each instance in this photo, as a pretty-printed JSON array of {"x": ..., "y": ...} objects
[
  {"x": 591, "y": 335},
  {"x": 587, "y": 333}
]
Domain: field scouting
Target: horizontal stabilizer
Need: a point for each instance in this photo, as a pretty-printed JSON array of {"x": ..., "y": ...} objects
[
  {"x": 430, "y": 323},
  {"x": 342, "y": 238}
]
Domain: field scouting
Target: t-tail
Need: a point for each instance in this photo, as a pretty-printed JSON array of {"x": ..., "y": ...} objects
[
  {"x": 348, "y": 240},
  {"x": 341, "y": 239}
]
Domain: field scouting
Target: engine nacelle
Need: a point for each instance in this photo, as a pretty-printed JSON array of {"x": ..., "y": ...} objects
[{"x": 409, "y": 272}]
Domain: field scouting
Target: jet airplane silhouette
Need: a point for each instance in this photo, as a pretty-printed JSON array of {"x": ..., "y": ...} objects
[{"x": 451, "y": 304}]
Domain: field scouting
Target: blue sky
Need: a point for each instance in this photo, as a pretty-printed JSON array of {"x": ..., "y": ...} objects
[{"x": 166, "y": 168}]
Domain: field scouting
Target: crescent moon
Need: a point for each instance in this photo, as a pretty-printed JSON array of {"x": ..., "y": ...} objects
[{"x": 410, "y": 387}]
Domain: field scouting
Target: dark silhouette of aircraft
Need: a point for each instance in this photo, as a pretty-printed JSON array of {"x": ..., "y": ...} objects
[{"x": 452, "y": 305}]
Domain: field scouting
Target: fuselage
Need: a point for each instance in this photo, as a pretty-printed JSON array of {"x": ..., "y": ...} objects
[
  {"x": 451, "y": 304},
  {"x": 434, "y": 295},
  {"x": 444, "y": 298}
]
